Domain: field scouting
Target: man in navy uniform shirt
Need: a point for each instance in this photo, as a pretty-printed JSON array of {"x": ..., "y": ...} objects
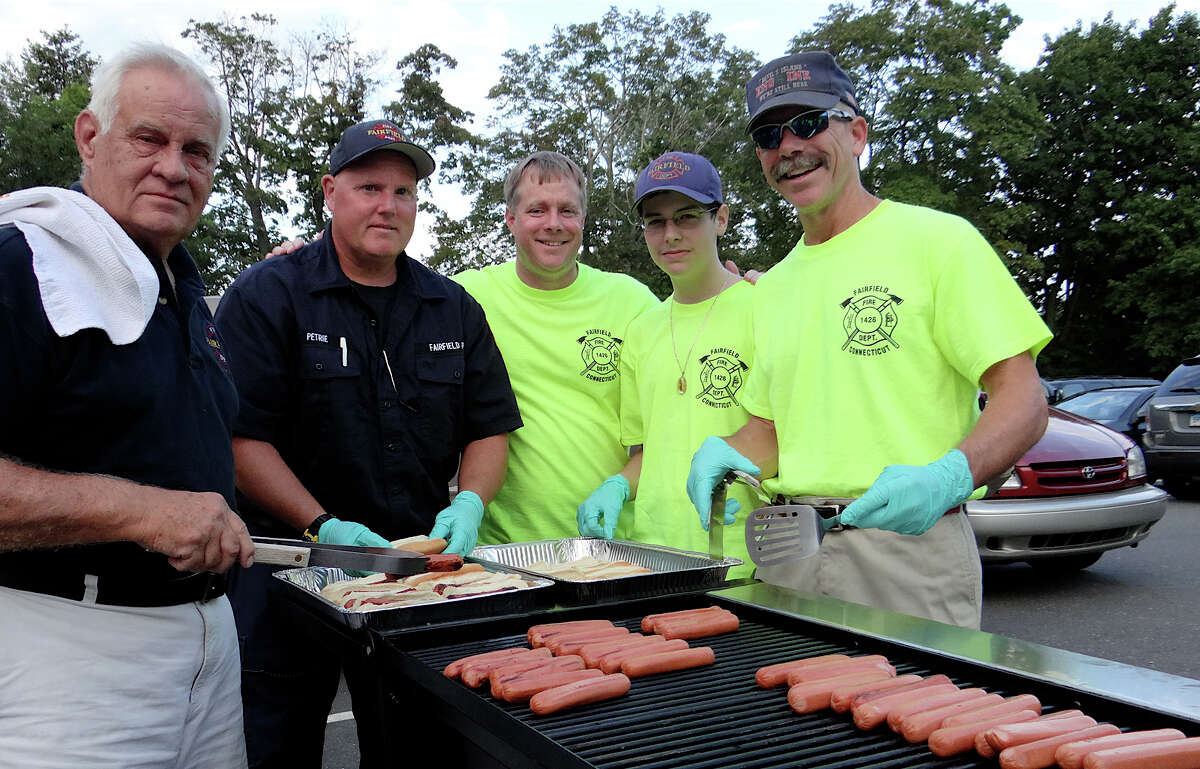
[
  {"x": 363, "y": 377},
  {"x": 116, "y": 474}
]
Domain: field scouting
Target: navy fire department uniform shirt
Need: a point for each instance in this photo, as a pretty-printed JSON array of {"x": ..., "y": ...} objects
[
  {"x": 370, "y": 413},
  {"x": 157, "y": 411}
]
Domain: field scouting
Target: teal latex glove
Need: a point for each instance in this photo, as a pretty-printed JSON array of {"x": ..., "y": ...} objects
[
  {"x": 910, "y": 499},
  {"x": 458, "y": 524},
  {"x": 711, "y": 461},
  {"x": 599, "y": 513},
  {"x": 339, "y": 532}
]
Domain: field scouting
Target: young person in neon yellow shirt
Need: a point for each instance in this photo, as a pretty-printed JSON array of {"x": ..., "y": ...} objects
[
  {"x": 560, "y": 326},
  {"x": 684, "y": 366},
  {"x": 871, "y": 339}
]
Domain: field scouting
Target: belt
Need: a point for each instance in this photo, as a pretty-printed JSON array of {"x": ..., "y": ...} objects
[{"x": 120, "y": 590}]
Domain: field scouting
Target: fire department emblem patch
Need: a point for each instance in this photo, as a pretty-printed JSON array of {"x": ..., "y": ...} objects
[
  {"x": 601, "y": 352},
  {"x": 722, "y": 373},
  {"x": 214, "y": 344},
  {"x": 870, "y": 321}
]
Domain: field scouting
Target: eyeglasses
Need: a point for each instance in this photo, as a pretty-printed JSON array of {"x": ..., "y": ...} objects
[
  {"x": 687, "y": 219},
  {"x": 806, "y": 125}
]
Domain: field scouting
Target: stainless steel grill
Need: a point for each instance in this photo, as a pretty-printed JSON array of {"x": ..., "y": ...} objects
[{"x": 711, "y": 717}]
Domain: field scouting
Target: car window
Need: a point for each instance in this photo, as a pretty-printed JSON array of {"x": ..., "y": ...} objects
[
  {"x": 1100, "y": 405},
  {"x": 1182, "y": 378}
]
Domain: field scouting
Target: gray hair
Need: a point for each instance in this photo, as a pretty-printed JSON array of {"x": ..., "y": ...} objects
[
  {"x": 547, "y": 166},
  {"x": 107, "y": 79}
]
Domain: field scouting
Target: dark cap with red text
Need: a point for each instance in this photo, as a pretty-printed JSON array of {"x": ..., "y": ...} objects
[
  {"x": 681, "y": 172},
  {"x": 364, "y": 138},
  {"x": 809, "y": 79}
]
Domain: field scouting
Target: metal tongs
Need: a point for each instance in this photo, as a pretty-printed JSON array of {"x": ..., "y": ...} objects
[{"x": 299, "y": 552}]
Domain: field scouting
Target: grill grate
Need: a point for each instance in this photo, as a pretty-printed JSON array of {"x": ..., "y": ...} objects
[{"x": 718, "y": 716}]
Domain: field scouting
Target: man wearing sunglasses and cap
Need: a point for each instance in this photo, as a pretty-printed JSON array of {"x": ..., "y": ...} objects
[
  {"x": 684, "y": 365},
  {"x": 872, "y": 338},
  {"x": 363, "y": 376}
]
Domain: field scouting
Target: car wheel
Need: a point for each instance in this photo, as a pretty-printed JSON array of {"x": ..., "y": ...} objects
[
  {"x": 1065, "y": 563},
  {"x": 1182, "y": 487}
]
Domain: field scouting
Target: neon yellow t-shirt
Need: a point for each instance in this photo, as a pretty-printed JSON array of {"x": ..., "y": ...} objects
[
  {"x": 671, "y": 426},
  {"x": 562, "y": 349},
  {"x": 869, "y": 347}
]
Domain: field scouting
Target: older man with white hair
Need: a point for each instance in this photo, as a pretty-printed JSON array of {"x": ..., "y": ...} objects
[{"x": 116, "y": 467}]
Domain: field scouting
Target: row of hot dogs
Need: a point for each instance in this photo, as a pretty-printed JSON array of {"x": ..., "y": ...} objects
[
  {"x": 574, "y": 663},
  {"x": 954, "y": 720}
]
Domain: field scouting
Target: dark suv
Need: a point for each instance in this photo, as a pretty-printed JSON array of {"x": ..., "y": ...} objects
[{"x": 1172, "y": 438}]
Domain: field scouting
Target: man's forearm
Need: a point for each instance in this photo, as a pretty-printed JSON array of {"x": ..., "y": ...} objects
[
  {"x": 756, "y": 441},
  {"x": 1013, "y": 420},
  {"x": 41, "y": 508},
  {"x": 265, "y": 478},
  {"x": 483, "y": 465}
]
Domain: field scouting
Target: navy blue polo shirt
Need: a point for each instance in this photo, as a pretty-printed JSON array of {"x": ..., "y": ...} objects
[
  {"x": 371, "y": 424},
  {"x": 158, "y": 411}
]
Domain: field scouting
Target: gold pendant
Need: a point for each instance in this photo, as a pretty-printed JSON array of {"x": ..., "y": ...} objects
[{"x": 682, "y": 384}]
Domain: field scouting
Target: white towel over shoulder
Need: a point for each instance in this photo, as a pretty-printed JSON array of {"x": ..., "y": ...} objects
[{"x": 91, "y": 275}]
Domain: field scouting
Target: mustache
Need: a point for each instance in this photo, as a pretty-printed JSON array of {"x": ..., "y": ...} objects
[{"x": 791, "y": 164}]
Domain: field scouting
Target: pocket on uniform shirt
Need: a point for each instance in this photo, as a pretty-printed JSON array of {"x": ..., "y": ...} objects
[
  {"x": 326, "y": 386},
  {"x": 320, "y": 361},
  {"x": 440, "y": 379}
]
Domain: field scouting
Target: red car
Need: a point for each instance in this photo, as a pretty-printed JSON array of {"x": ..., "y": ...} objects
[{"x": 1081, "y": 490}]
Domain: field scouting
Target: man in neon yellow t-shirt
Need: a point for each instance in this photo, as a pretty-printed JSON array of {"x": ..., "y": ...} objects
[
  {"x": 560, "y": 326},
  {"x": 871, "y": 339},
  {"x": 684, "y": 364}
]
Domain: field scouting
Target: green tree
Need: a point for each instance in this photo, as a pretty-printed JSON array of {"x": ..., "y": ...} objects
[
  {"x": 39, "y": 99},
  {"x": 1111, "y": 192}
]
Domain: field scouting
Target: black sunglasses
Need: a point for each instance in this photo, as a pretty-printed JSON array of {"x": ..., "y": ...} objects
[{"x": 806, "y": 125}]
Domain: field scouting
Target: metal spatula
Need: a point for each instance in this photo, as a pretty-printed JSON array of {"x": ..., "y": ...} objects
[{"x": 779, "y": 533}]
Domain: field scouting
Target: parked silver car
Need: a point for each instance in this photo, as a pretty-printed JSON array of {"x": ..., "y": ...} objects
[
  {"x": 1081, "y": 490},
  {"x": 1172, "y": 437}
]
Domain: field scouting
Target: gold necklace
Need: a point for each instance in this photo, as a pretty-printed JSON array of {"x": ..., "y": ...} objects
[{"x": 681, "y": 384}]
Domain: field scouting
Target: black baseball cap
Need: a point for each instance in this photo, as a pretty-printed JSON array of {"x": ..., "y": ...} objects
[
  {"x": 809, "y": 79},
  {"x": 361, "y": 139},
  {"x": 682, "y": 172}
]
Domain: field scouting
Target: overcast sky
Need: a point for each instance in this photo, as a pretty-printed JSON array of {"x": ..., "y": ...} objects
[{"x": 477, "y": 33}]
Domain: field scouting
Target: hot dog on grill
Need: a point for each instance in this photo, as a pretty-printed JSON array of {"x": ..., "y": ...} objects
[
  {"x": 593, "y": 653},
  {"x": 476, "y": 671},
  {"x": 868, "y": 715},
  {"x": 579, "y": 693},
  {"x": 454, "y": 669},
  {"x": 524, "y": 686},
  {"x": 1039, "y": 754},
  {"x": 650, "y": 619},
  {"x": 776, "y": 675},
  {"x": 571, "y": 642},
  {"x": 875, "y": 694},
  {"x": 985, "y": 748},
  {"x": 1001, "y": 737},
  {"x": 505, "y": 673},
  {"x": 841, "y": 697},
  {"x": 663, "y": 662},
  {"x": 699, "y": 626},
  {"x": 834, "y": 669},
  {"x": 917, "y": 726},
  {"x": 960, "y": 738},
  {"x": 929, "y": 702},
  {"x": 1013, "y": 704},
  {"x": 611, "y": 662},
  {"x": 815, "y": 695},
  {"x": 1072, "y": 754},
  {"x": 534, "y": 634},
  {"x": 1175, "y": 754}
]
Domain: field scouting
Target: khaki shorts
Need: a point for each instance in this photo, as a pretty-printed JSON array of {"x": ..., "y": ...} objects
[{"x": 935, "y": 575}]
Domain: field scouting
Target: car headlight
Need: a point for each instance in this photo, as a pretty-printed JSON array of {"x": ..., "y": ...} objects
[
  {"x": 1013, "y": 481},
  {"x": 1135, "y": 462}
]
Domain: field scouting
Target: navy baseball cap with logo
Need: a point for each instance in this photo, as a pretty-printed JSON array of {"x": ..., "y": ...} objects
[
  {"x": 364, "y": 138},
  {"x": 809, "y": 79},
  {"x": 681, "y": 172}
]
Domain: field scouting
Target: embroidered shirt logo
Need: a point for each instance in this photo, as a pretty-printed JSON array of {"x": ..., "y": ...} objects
[
  {"x": 722, "y": 374},
  {"x": 214, "y": 344},
  {"x": 870, "y": 321},
  {"x": 601, "y": 352}
]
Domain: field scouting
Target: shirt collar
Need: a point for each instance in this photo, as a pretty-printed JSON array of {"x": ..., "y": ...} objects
[{"x": 411, "y": 276}]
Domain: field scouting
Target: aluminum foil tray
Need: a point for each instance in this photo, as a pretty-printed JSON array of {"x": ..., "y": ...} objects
[
  {"x": 304, "y": 586},
  {"x": 675, "y": 571}
]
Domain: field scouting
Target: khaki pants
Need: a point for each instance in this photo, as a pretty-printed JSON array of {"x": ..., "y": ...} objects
[{"x": 936, "y": 575}]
